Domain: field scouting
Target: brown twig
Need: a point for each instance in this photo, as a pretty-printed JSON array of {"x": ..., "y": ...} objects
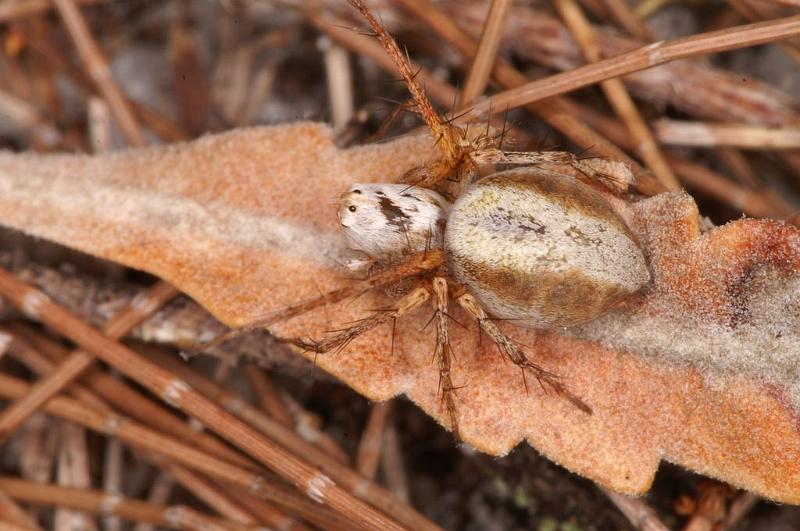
[
  {"x": 191, "y": 83},
  {"x": 134, "y": 433},
  {"x": 307, "y": 478},
  {"x": 697, "y": 176},
  {"x": 339, "y": 77},
  {"x": 9, "y": 526},
  {"x": 754, "y": 12},
  {"x": 215, "y": 498},
  {"x": 268, "y": 396},
  {"x": 100, "y": 135},
  {"x": 144, "y": 438},
  {"x": 160, "y": 491},
  {"x": 43, "y": 134},
  {"x": 707, "y": 134},
  {"x": 693, "y": 87},
  {"x": 739, "y": 166},
  {"x": 39, "y": 449},
  {"x": 640, "y": 59},
  {"x": 72, "y": 470},
  {"x": 640, "y": 515},
  {"x": 181, "y": 322},
  {"x": 97, "y": 68},
  {"x": 307, "y": 425},
  {"x": 483, "y": 63},
  {"x": 165, "y": 128},
  {"x": 25, "y": 8},
  {"x": 288, "y": 500},
  {"x": 393, "y": 463},
  {"x": 162, "y": 126},
  {"x": 787, "y": 3},
  {"x": 132, "y": 402},
  {"x": 219, "y": 499},
  {"x": 617, "y": 95},
  {"x": 371, "y": 443},
  {"x": 12, "y": 513},
  {"x": 235, "y": 70},
  {"x": 5, "y": 342},
  {"x": 113, "y": 473},
  {"x": 627, "y": 19},
  {"x": 42, "y": 365},
  {"x": 79, "y": 361},
  {"x": 99, "y": 503},
  {"x": 647, "y": 8},
  {"x": 291, "y": 441},
  {"x": 291, "y": 414},
  {"x": 739, "y": 508}
]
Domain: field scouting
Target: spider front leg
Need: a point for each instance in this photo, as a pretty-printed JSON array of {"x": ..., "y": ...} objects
[
  {"x": 510, "y": 349},
  {"x": 443, "y": 353}
]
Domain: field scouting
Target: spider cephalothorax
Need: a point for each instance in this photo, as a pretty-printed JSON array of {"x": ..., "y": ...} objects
[{"x": 390, "y": 220}]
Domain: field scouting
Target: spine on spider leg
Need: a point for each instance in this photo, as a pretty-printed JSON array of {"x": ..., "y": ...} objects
[{"x": 424, "y": 105}]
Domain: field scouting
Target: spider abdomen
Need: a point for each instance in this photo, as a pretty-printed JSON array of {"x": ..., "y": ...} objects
[{"x": 542, "y": 248}]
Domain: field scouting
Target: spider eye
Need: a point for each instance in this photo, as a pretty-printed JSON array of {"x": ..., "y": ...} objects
[{"x": 351, "y": 208}]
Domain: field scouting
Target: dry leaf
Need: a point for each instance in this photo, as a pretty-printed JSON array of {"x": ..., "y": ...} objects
[{"x": 701, "y": 370}]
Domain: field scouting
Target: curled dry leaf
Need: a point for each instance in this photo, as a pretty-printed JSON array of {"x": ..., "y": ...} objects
[{"x": 700, "y": 370}]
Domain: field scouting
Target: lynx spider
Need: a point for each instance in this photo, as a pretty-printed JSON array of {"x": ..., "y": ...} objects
[
  {"x": 401, "y": 230},
  {"x": 388, "y": 222}
]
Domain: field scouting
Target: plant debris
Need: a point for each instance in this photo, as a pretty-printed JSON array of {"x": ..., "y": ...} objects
[{"x": 701, "y": 369}]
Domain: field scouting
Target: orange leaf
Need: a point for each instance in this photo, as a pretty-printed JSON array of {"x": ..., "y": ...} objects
[{"x": 701, "y": 370}]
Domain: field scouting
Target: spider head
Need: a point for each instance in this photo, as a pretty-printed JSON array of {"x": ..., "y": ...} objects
[{"x": 390, "y": 220}]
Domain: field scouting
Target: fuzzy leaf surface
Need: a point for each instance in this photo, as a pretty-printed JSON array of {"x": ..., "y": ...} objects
[{"x": 701, "y": 370}]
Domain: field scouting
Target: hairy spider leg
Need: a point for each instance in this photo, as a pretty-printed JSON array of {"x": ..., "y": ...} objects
[
  {"x": 342, "y": 338},
  {"x": 443, "y": 353},
  {"x": 507, "y": 346},
  {"x": 409, "y": 267},
  {"x": 614, "y": 175}
]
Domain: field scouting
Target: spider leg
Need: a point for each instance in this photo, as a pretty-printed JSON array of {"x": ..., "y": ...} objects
[
  {"x": 443, "y": 353},
  {"x": 615, "y": 175},
  {"x": 409, "y": 267},
  {"x": 518, "y": 357},
  {"x": 526, "y": 158},
  {"x": 394, "y": 116},
  {"x": 344, "y": 337}
]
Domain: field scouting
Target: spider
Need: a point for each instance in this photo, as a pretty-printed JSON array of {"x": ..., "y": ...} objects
[
  {"x": 531, "y": 245},
  {"x": 540, "y": 248}
]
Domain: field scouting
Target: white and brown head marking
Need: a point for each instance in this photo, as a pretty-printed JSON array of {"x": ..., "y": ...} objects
[{"x": 390, "y": 220}]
